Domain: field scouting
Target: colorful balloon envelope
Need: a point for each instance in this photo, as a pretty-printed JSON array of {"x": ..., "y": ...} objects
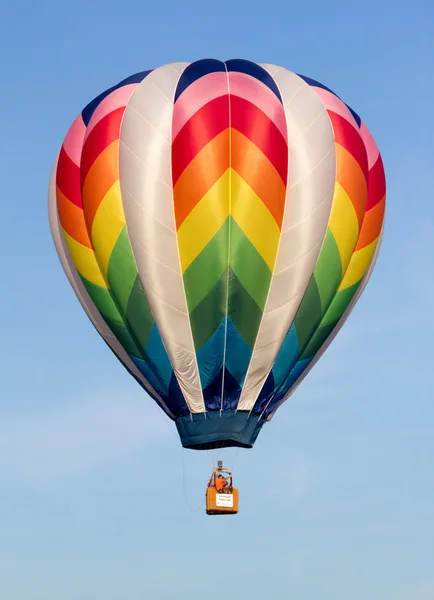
[{"x": 218, "y": 221}]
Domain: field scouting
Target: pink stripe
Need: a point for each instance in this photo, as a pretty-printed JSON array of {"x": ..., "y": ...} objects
[
  {"x": 113, "y": 101},
  {"x": 198, "y": 94},
  {"x": 370, "y": 145},
  {"x": 73, "y": 142},
  {"x": 332, "y": 103},
  {"x": 254, "y": 91}
]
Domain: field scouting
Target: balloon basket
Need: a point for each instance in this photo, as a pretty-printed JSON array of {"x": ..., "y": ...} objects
[{"x": 221, "y": 504}]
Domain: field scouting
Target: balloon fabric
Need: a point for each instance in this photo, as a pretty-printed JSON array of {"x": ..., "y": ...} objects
[{"x": 218, "y": 222}]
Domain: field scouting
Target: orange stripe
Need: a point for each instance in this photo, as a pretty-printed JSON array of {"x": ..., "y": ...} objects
[
  {"x": 102, "y": 175},
  {"x": 72, "y": 219},
  {"x": 258, "y": 172},
  {"x": 352, "y": 179},
  {"x": 371, "y": 227},
  {"x": 201, "y": 174}
]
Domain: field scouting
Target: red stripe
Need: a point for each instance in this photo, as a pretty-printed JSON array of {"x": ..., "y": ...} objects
[
  {"x": 68, "y": 179},
  {"x": 204, "y": 126},
  {"x": 102, "y": 135},
  {"x": 376, "y": 184},
  {"x": 249, "y": 120},
  {"x": 348, "y": 137}
]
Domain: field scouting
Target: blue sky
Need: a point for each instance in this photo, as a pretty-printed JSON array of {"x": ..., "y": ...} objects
[{"x": 97, "y": 498}]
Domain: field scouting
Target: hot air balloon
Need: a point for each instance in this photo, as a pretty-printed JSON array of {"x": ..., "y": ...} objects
[{"x": 218, "y": 222}]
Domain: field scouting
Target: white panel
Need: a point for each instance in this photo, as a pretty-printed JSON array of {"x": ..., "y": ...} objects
[
  {"x": 147, "y": 196},
  {"x": 338, "y": 326},
  {"x": 81, "y": 292},
  {"x": 144, "y": 182},
  {"x": 311, "y": 181}
]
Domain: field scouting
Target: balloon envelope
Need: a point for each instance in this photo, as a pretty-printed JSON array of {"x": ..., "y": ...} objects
[{"x": 218, "y": 221}]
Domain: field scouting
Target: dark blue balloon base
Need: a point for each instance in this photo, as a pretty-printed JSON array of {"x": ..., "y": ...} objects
[{"x": 215, "y": 429}]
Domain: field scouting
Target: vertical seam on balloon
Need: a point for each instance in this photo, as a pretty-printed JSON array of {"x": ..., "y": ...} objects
[
  {"x": 168, "y": 141},
  {"x": 338, "y": 326},
  {"x": 340, "y": 323},
  {"x": 144, "y": 382},
  {"x": 229, "y": 242},
  {"x": 277, "y": 250},
  {"x": 321, "y": 242},
  {"x": 71, "y": 264},
  {"x": 196, "y": 404},
  {"x": 325, "y": 232},
  {"x": 111, "y": 292},
  {"x": 312, "y": 276},
  {"x": 115, "y": 301},
  {"x": 296, "y": 383},
  {"x": 125, "y": 360},
  {"x": 179, "y": 258}
]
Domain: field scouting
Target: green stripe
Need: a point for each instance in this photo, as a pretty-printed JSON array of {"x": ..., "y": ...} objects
[
  {"x": 208, "y": 314},
  {"x": 206, "y": 286},
  {"x": 321, "y": 334},
  {"x": 328, "y": 270},
  {"x": 102, "y": 299},
  {"x": 340, "y": 303},
  {"x": 322, "y": 287},
  {"x": 309, "y": 314},
  {"x": 126, "y": 287},
  {"x": 207, "y": 268},
  {"x": 248, "y": 265},
  {"x": 139, "y": 316},
  {"x": 337, "y": 308},
  {"x": 123, "y": 336},
  {"x": 243, "y": 310},
  {"x": 122, "y": 270},
  {"x": 106, "y": 307}
]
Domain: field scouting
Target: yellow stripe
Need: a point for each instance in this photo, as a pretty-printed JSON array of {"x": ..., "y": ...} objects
[
  {"x": 84, "y": 261},
  {"x": 359, "y": 264},
  {"x": 107, "y": 226},
  {"x": 254, "y": 219},
  {"x": 344, "y": 225},
  {"x": 204, "y": 221}
]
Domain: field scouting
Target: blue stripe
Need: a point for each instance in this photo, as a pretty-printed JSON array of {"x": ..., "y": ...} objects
[
  {"x": 173, "y": 397},
  {"x": 195, "y": 71},
  {"x": 133, "y": 375},
  {"x": 149, "y": 375},
  {"x": 285, "y": 360},
  {"x": 296, "y": 372},
  {"x": 355, "y": 115},
  {"x": 231, "y": 392},
  {"x": 314, "y": 83},
  {"x": 210, "y": 363},
  {"x": 213, "y": 393},
  {"x": 210, "y": 356},
  {"x": 251, "y": 68},
  {"x": 238, "y": 354},
  {"x": 266, "y": 393},
  {"x": 88, "y": 111},
  {"x": 286, "y": 357},
  {"x": 157, "y": 356}
]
